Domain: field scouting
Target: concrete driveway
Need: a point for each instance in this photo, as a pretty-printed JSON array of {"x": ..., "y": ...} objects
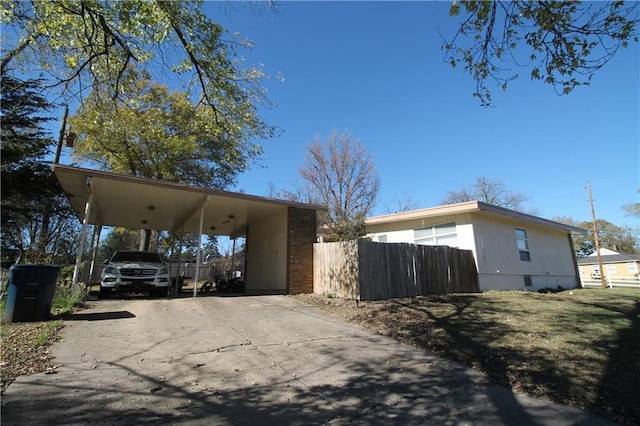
[{"x": 254, "y": 360}]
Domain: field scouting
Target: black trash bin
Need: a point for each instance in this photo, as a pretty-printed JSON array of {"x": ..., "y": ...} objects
[{"x": 30, "y": 292}]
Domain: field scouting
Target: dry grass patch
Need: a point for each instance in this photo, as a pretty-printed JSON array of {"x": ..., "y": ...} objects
[
  {"x": 25, "y": 349},
  {"x": 580, "y": 348}
]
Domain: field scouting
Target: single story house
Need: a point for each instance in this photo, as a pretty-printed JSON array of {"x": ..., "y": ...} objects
[
  {"x": 512, "y": 250},
  {"x": 616, "y": 265}
]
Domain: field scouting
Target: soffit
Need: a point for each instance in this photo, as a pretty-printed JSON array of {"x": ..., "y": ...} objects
[{"x": 131, "y": 202}]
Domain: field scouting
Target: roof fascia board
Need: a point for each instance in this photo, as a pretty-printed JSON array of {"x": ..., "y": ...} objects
[
  {"x": 468, "y": 207},
  {"x": 182, "y": 187},
  {"x": 528, "y": 217},
  {"x": 423, "y": 213}
]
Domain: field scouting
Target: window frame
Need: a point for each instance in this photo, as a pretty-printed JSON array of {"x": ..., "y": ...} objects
[
  {"x": 435, "y": 235},
  {"x": 524, "y": 251}
]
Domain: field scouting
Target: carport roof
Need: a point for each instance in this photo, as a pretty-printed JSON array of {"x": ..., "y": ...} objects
[{"x": 132, "y": 202}]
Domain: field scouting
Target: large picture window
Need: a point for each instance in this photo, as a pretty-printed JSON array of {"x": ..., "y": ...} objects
[
  {"x": 439, "y": 235},
  {"x": 522, "y": 243}
]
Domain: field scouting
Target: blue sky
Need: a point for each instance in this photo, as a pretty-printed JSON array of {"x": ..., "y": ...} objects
[{"x": 376, "y": 69}]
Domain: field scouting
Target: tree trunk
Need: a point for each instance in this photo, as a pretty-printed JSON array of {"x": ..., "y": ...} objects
[{"x": 145, "y": 237}]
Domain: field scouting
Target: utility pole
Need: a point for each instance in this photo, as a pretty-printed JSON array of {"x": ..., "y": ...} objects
[
  {"x": 63, "y": 129},
  {"x": 596, "y": 237}
]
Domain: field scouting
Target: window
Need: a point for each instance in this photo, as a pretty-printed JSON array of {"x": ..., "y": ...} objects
[
  {"x": 439, "y": 235},
  {"x": 527, "y": 281},
  {"x": 595, "y": 271},
  {"x": 632, "y": 267},
  {"x": 523, "y": 245},
  {"x": 611, "y": 269}
]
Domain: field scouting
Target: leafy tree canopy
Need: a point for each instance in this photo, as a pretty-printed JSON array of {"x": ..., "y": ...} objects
[
  {"x": 562, "y": 43},
  {"x": 151, "y": 132},
  {"x": 36, "y": 219},
  {"x": 611, "y": 236},
  {"x": 83, "y": 45}
]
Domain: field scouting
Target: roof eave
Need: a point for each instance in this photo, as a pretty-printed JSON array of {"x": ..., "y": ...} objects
[{"x": 468, "y": 207}]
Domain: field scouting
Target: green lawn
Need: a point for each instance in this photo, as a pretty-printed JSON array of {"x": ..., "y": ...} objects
[{"x": 579, "y": 347}]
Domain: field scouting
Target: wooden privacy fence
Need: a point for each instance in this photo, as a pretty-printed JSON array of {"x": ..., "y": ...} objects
[{"x": 375, "y": 271}]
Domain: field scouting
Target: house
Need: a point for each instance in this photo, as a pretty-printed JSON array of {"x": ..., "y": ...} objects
[
  {"x": 617, "y": 267},
  {"x": 512, "y": 250}
]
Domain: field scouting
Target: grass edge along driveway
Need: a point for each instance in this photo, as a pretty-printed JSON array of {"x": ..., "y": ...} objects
[{"x": 579, "y": 347}]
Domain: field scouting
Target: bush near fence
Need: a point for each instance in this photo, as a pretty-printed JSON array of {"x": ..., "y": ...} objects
[{"x": 365, "y": 270}]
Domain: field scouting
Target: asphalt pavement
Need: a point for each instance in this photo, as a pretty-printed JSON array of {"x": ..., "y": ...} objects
[{"x": 267, "y": 360}]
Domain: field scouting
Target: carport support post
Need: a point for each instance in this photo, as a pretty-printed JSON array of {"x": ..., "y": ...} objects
[
  {"x": 97, "y": 230},
  {"x": 83, "y": 235},
  {"x": 233, "y": 256},
  {"x": 197, "y": 274}
]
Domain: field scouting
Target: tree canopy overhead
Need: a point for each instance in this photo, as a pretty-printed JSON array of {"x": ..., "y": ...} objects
[
  {"x": 36, "y": 219},
  {"x": 79, "y": 45},
  {"x": 153, "y": 133},
  {"x": 562, "y": 43}
]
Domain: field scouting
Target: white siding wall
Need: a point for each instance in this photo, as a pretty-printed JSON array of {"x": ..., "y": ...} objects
[
  {"x": 466, "y": 238},
  {"x": 494, "y": 247},
  {"x": 499, "y": 262},
  {"x": 403, "y": 232},
  {"x": 267, "y": 255}
]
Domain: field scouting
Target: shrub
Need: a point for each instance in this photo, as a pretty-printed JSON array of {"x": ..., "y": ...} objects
[{"x": 67, "y": 298}]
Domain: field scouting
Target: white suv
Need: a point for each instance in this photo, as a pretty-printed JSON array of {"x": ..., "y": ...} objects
[{"x": 135, "y": 271}]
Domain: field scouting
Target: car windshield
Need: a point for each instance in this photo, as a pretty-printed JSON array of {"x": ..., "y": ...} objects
[{"x": 136, "y": 256}]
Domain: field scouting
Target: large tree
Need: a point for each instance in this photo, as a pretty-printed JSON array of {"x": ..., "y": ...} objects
[
  {"x": 401, "y": 203},
  {"x": 562, "y": 43},
  {"x": 153, "y": 133},
  {"x": 79, "y": 45},
  {"x": 37, "y": 222},
  {"x": 340, "y": 174},
  {"x": 488, "y": 191},
  {"x": 611, "y": 236}
]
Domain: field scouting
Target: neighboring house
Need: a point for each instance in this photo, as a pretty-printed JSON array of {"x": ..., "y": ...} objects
[
  {"x": 616, "y": 265},
  {"x": 512, "y": 250}
]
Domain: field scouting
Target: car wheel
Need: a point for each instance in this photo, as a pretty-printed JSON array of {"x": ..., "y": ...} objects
[{"x": 104, "y": 293}]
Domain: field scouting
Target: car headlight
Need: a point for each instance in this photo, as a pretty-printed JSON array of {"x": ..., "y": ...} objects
[
  {"x": 164, "y": 271},
  {"x": 110, "y": 270}
]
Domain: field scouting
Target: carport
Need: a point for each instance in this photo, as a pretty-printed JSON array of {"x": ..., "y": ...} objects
[{"x": 279, "y": 234}]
